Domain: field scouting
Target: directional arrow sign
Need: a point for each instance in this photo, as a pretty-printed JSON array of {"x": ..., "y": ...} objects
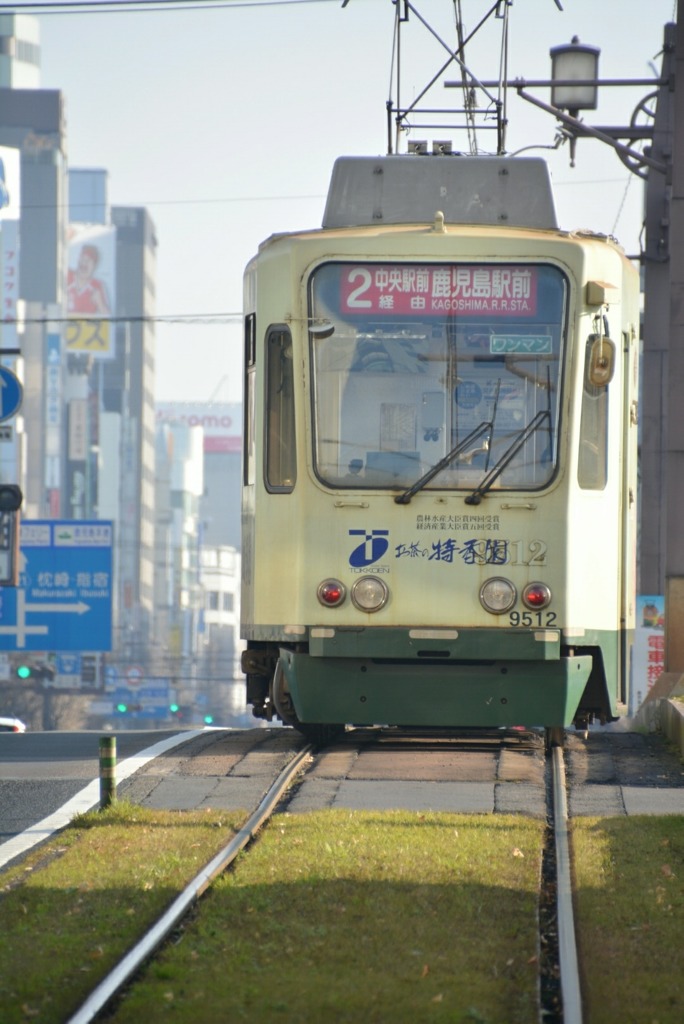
[
  {"x": 11, "y": 393},
  {"x": 63, "y": 601}
]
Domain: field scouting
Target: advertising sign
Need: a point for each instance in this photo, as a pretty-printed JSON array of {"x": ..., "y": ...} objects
[
  {"x": 9, "y": 282},
  {"x": 90, "y": 291},
  {"x": 220, "y": 421},
  {"x": 10, "y": 183},
  {"x": 649, "y": 648}
]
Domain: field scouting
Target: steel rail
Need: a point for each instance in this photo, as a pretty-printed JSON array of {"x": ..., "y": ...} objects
[
  {"x": 567, "y": 944},
  {"x": 153, "y": 938}
]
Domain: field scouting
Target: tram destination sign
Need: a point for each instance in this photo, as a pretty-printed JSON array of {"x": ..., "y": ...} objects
[
  {"x": 63, "y": 600},
  {"x": 497, "y": 290}
]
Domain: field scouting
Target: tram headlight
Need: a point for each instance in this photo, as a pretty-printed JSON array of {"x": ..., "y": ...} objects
[
  {"x": 369, "y": 594},
  {"x": 331, "y": 593},
  {"x": 536, "y": 596},
  {"x": 497, "y": 595}
]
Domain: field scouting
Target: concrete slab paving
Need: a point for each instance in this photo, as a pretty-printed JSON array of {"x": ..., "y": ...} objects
[
  {"x": 644, "y": 800},
  {"x": 520, "y": 798},
  {"x": 467, "y": 797},
  {"x": 595, "y": 801},
  {"x": 232, "y": 772}
]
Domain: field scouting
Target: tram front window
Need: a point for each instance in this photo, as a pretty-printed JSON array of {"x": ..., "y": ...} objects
[{"x": 436, "y": 367}]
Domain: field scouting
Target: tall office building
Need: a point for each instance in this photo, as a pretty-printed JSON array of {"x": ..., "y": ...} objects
[
  {"x": 19, "y": 52},
  {"x": 32, "y": 124},
  {"x": 85, "y": 440},
  {"x": 119, "y": 405},
  {"x": 128, "y": 388}
]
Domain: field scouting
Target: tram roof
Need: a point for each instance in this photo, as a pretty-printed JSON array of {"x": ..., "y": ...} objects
[{"x": 409, "y": 189}]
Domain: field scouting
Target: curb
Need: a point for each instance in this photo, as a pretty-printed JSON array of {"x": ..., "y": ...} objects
[
  {"x": 666, "y": 716},
  {"x": 671, "y": 714}
]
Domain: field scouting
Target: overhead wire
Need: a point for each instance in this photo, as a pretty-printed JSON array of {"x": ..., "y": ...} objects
[
  {"x": 468, "y": 91},
  {"x": 144, "y": 6}
]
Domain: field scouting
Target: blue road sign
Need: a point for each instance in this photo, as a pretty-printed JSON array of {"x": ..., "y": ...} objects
[
  {"x": 11, "y": 393},
  {"x": 63, "y": 601}
]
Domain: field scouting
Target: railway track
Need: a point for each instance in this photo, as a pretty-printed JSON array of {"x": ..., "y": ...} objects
[
  {"x": 559, "y": 986},
  {"x": 117, "y": 979}
]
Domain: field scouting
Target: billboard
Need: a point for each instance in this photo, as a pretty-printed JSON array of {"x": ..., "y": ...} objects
[
  {"x": 91, "y": 290},
  {"x": 221, "y": 422},
  {"x": 10, "y": 183}
]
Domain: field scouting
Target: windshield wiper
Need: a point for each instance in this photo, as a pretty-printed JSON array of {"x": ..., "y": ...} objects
[
  {"x": 497, "y": 469},
  {"x": 404, "y": 499}
]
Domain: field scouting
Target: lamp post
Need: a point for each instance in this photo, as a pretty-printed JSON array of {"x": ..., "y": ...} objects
[
  {"x": 661, "y": 165},
  {"x": 574, "y": 73},
  {"x": 654, "y": 151}
]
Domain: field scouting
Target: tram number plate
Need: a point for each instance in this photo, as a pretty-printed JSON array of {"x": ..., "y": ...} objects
[{"x": 532, "y": 618}]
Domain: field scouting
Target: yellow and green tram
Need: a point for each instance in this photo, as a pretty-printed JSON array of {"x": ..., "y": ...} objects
[{"x": 439, "y": 481}]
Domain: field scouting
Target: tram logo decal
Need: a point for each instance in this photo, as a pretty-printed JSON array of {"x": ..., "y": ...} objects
[
  {"x": 371, "y": 549},
  {"x": 476, "y": 551},
  {"x": 472, "y": 552}
]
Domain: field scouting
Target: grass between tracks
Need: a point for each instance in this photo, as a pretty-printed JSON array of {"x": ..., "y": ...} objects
[
  {"x": 341, "y": 916},
  {"x": 334, "y": 916},
  {"x": 629, "y": 874}
]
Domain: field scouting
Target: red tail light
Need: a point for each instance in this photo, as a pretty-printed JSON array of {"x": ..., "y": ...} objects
[
  {"x": 536, "y": 595},
  {"x": 331, "y": 593}
]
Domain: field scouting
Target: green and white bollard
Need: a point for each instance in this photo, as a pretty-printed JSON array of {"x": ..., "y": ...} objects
[{"x": 107, "y": 771}]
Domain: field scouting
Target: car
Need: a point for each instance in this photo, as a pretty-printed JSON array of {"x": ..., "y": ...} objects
[{"x": 11, "y": 724}]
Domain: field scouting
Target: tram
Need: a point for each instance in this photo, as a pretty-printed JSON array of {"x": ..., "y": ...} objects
[{"x": 439, "y": 474}]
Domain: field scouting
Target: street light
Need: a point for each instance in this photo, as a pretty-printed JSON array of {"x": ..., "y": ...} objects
[
  {"x": 574, "y": 73},
  {"x": 574, "y": 76}
]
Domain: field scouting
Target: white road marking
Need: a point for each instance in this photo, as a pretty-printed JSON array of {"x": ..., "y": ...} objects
[{"x": 86, "y": 799}]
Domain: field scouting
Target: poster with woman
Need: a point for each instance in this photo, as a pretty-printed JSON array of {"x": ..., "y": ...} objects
[{"x": 90, "y": 290}]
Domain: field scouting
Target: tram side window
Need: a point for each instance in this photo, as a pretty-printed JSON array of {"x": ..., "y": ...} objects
[
  {"x": 592, "y": 470},
  {"x": 281, "y": 456},
  {"x": 248, "y": 432}
]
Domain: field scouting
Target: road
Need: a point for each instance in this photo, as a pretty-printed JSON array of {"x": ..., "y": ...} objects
[{"x": 47, "y": 777}]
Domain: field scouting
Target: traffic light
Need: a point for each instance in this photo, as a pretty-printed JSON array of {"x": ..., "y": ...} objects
[
  {"x": 208, "y": 719},
  {"x": 174, "y": 708},
  {"x": 89, "y": 668},
  {"x": 10, "y": 497},
  {"x": 35, "y": 671},
  {"x": 122, "y": 707}
]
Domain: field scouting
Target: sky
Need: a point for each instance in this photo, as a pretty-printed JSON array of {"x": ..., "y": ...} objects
[{"x": 224, "y": 121}]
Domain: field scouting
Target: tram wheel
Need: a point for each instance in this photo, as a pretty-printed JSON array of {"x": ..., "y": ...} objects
[{"x": 554, "y": 736}]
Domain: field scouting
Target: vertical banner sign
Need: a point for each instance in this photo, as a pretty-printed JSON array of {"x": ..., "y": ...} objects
[
  {"x": 53, "y": 418},
  {"x": 91, "y": 300},
  {"x": 649, "y": 648},
  {"x": 10, "y": 212},
  {"x": 9, "y": 286}
]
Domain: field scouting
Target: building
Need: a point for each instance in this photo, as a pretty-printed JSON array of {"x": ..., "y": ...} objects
[
  {"x": 32, "y": 123},
  {"x": 19, "y": 52},
  {"x": 209, "y": 647},
  {"x": 128, "y": 385},
  {"x": 221, "y": 423},
  {"x": 84, "y": 443}
]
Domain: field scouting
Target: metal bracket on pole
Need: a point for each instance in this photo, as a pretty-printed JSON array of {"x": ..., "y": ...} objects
[{"x": 580, "y": 128}]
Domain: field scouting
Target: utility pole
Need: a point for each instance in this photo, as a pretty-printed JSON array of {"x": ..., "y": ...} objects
[
  {"x": 674, "y": 464},
  {"x": 662, "y": 407},
  {"x": 656, "y": 337}
]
